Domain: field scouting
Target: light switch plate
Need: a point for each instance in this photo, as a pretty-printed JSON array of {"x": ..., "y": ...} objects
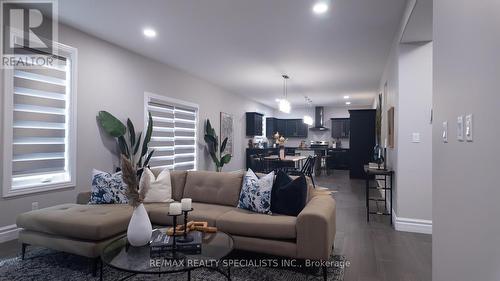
[
  {"x": 460, "y": 128},
  {"x": 445, "y": 132},
  {"x": 468, "y": 127},
  {"x": 415, "y": 137}
]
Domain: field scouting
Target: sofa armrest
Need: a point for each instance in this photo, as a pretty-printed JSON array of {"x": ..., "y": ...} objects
[
  {"x": 316, "y": 228},
  {"x": 83, "y": 198}
]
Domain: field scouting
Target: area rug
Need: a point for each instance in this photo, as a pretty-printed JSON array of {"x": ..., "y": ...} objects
[{"x": 44, "y": 264}]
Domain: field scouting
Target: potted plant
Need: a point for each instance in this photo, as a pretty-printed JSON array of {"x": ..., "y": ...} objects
[
  {"x": 139, "y": 228},
  {"x": 128, "y": 142},
  {"x": 213, "y": 147}
]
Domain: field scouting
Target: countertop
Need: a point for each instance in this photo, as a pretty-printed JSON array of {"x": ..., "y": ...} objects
[{"x": 305, "y": 148}]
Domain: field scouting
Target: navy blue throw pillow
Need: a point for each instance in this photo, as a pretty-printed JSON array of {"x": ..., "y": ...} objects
[{"x": 288, "y": 195}]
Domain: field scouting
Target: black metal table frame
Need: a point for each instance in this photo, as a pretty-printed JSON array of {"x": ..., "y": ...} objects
[
  {"x": 385, "y": 174},
  {"x": 159, "y": 273}
]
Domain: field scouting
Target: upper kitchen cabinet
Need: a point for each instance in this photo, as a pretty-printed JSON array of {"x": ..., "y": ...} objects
[
  {"x": 271, "y": 127},
  {"x": 281, "y": 126},
  {"x": 254, "y": 124},
  {"x": 341, "y": 128},
  {"x": 289, "y": 128},
  {"x": 303, "y": 129},
  {"x": 296, "y": 128}
]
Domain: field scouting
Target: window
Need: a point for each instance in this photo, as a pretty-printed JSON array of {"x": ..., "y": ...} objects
[
  {"x": 174, "y": 132},
  {"x": 39, "y": 124}
]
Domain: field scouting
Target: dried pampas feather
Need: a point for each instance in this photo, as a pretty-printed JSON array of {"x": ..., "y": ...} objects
[
  {"x": 144, "y": 185},
  {"x": 129, "y": 175}
]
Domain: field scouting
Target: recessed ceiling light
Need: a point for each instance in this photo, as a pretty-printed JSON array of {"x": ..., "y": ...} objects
[
  {"x": 346, "y": 97},
  {"x": 348, "y": 102},
  {"x": 320, "y": 8},
  {"x": 150, "y": 33}
]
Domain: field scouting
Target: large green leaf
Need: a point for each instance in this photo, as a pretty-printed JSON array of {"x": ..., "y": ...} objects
[
  {"x": 208, "y": 128},
  {"x": 111, "y": 124},
  {"x": 225, "y": 159},
  {"x": 215, "y": 159},
  {"x": 147, "y": 137},
  {"x": 211, "y": 142},
  {"x": 149, "y": 157},
  {"x": 123, "y": 146},
  {"x": 223, "y": 145},
  {"x": 131, "y": 132},
  {"x": 136, "y": 148}
]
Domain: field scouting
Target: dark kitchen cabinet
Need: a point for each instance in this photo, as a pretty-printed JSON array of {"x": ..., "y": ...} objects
[
  {"x": 281, "y": 126},
  {"x": 362, "y": 140},
  {"x": 271, "y": 127},
  {"x": 339, "y": 159},
  {"x": 341, "y": 128},
  {"x": 291, "y": 128},
  {"x": 254, "y": 124},
  {"x": 295, "y": 128},
  {"x": 303, "y": 129}
]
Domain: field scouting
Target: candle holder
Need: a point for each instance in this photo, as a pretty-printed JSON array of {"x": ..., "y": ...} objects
[
  {"x": 173, "y": 254},
  {"x": 186, "y": 238}
]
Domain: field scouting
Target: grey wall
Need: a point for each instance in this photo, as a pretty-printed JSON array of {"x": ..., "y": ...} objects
[
  {"x": 415, "y": 159},
  {"x": 407, "y": 86},
  {"x": 114, "y": 79},
  {"x": 466, "y": 208}
]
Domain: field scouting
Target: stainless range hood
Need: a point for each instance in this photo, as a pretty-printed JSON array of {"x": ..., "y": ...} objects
[{"x": 319, "y": 119}]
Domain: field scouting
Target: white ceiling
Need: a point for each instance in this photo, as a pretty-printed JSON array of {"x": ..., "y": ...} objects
[{"x": 245, "y": 45}]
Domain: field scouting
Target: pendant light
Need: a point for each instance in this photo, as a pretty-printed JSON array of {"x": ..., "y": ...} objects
[
  {"x": 307, "y": 118},
  {"x": 284, "y": 104}
]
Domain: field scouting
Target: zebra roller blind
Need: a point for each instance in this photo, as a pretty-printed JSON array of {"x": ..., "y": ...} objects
[
  {"x": 39, "y": 124},
  {"x": 174, "y": 133}
]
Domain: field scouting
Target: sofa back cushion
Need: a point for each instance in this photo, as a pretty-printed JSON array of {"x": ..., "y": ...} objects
[
  {"x": 178, "y": 180},
  {"x": 213, "y": 188}
]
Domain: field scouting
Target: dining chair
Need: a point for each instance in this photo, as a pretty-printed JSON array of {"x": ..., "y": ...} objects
[{"x": 307, "y": 170}]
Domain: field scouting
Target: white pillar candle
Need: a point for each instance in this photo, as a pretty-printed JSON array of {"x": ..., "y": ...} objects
[
  {"x": 175, "y": 209},
  {"x": 186, "y": 204}
]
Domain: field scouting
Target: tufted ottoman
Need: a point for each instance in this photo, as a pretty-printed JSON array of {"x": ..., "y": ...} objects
[{"x": 73, "y": 228}]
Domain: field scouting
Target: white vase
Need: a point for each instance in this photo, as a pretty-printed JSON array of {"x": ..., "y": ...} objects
[
  {"x": 282, "y": 153},
  {"x": 139, "y": 229}
]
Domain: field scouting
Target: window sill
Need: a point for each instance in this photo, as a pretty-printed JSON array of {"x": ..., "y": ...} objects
[{"x": 38, "y": 189}]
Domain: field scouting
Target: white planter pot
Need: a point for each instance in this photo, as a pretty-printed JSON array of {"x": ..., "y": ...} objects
[{"x": 139, "y": 229}]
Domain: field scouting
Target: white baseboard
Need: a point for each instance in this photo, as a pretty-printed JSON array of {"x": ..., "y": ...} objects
[
  {"x": 9, "y": 232},
  {"x": 411, "y": 225}
]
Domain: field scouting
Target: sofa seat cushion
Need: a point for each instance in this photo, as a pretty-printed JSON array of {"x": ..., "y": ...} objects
[
  {"x": 247, "y": 223},
  {"x": 87, "y": 222},
  {"x": 158, "y": 213},
  {"x": 201, "y": 212}
]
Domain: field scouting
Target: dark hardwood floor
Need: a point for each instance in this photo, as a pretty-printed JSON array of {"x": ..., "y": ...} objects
[{"x": 376, "y": 251}]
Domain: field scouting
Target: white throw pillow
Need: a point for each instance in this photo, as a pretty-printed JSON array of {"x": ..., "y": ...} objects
[{"x": 160, "y": 187}]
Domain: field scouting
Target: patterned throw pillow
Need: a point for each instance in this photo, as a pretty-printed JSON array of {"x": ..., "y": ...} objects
[
  {"x": 256, "y": 193},
  {"x": 107, "y": 188}
]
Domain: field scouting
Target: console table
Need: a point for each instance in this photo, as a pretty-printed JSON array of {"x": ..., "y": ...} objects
[{"x": 385, "y": 176}]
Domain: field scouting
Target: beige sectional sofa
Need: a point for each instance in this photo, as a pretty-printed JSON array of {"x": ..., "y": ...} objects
[{"x": 85, "y": 229}]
